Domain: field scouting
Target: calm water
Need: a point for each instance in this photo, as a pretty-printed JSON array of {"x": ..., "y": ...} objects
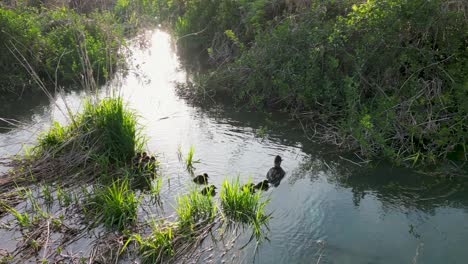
[{"x": 326, "y": 210}]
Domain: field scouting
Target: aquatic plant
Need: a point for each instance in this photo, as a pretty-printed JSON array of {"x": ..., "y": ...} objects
[
  {"x": 155, "y": 186},
  {"x": 115, "y": 205},
  {"x": 240, "y": 205},
  {"x": 104, "y": 134},
  {"x": 193, "y": 208},
  {"x": 47, "y": 194},
  {"x": 64, "y": 197},
  {"x": 23, "y": 219},
  {"x": 110, "y": 129},
  {"x": 157, "y": 246},
  {"x": 189, "y": 162}
]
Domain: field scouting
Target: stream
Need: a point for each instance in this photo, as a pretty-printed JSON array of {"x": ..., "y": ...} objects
[{"x": 326, "y": 209}]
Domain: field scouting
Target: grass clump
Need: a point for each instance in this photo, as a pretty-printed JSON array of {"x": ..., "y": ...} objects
[
  {"x": 194, "y": 208},
  {"x": 115, "y": 205},
  {"x": 157, "y": 246},
  {"x": 240, "y": 205},
  {"x": 111, "y": 128},
  {"x": 106, "y": 130}
]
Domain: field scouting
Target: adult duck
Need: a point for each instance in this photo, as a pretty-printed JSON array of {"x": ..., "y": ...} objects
[
  {"x": 201, "y": 179},
  {"x": 276, "y": 173}
]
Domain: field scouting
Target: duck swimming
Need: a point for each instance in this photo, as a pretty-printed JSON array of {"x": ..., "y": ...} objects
[
  {"x": 276, "y": 173},
  {"x": 263, "y": 185},
  {"x": 209, "y": 190},
  {"x": 201, "y": 179}
]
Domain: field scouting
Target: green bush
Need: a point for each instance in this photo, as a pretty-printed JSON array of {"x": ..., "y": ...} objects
[
  {"x": 60, "y": 45},
  {"x": 389, "y": 75}
]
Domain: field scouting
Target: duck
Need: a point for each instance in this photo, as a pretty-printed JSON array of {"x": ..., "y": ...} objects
[
  {"x": 249, "y": 186},
  {"x": 209, "y": 190},
  {"x": 201, "y": 179},
  {"x": 263, "y": 185},
  {"x": 136, "y": 159},
  {"x": 276, "y": 173}
]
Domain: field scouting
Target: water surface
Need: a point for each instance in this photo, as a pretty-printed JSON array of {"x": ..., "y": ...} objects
[{"x": 326, "y": 210}]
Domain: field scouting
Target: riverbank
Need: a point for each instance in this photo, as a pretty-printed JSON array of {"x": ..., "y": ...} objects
[
  {"x": 381, "y": 78},
  {"x": 47, "y": 45}
]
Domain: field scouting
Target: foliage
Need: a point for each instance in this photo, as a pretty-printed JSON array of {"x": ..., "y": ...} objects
[
  {"x": 59, "y": 45},
  {"x": 387, "y": 76},
  {"x": 64, "y": 43}
]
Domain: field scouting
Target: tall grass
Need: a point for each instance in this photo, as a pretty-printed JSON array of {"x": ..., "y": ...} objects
[
  {"x": 193, "y": 208},
  {"x": 115, "y": 205},
  {"x": 112, "y": 129},
  {"x": 106, "y": 128},
  {"x": 240, "y": 205}
]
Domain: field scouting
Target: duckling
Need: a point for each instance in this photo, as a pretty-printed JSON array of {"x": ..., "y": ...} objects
[
  {"x": 201, "y": 179},
  {"x": 209, "y": 190},
  {"x": 136, "y": 159},
  {"x": 276, "y": 173},
  {"x": 249, "y": 186},
  {"x": 263, "y": 185}
]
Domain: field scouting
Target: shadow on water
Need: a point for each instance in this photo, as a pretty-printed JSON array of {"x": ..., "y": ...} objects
[{"x": 20, "y": 109}]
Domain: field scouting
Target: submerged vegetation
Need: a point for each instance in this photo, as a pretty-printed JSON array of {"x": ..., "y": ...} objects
[{"x": 385, "y": 78}]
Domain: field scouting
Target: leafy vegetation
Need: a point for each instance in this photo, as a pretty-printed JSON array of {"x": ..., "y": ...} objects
[
  {"x": 64, "y": 44},
  {"x": 386, "y": 78}
]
